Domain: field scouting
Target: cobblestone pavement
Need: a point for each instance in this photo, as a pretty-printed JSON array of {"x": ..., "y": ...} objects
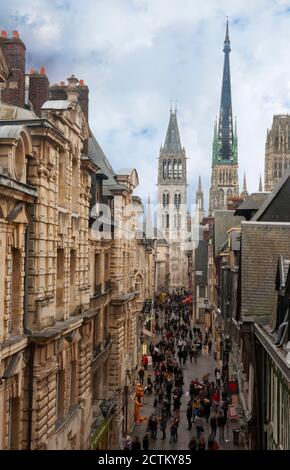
[{"x": 205, "y": 364}]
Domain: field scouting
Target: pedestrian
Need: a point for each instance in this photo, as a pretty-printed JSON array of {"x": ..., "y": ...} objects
[
  {"x": 192, "y": 445},
  {"x": 209, "y": 345},
  {"x": 221, "y": 422},
  {"x": 146, "y": 441},
  {"x": 199, "y": 426},
  {"x": 213, "y": 425},
  {"x": 141, "y": 375},
  {"x": 212, "y": 444},
  {"x": 136, "y": 444},
  {"x": 128, "y": 443},
  {"x": 202, "y": 444},
  {"x": 189, "y": 415},
  {"x": 163, "y": 424},
  {"x": 145, "y": 361}
]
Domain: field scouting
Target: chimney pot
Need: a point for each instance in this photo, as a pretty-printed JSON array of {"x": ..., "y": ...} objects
[
  {"x": 82, "y": 82},
  {"x": 32, "y": 71},
  {"x": 15, "y": 34},
  {"x": 42, "y": 70},
  {"x": 4, "y": 34},
  {"x": 61, "y": 83}
]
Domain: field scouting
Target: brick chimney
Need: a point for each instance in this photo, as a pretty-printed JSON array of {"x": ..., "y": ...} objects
[
  {"x": 38, "y": 89},
  {"x": 14, "y": 49},
  {"x": 59, "y": 92}
]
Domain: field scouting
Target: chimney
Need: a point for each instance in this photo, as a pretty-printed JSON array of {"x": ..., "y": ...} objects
[
  {"x": 14, "y": 49},
  {"x": 59, "y": 92},
  {"x": 38, "y": 90},
  {"x": 72, "y": 91},
  {"x": 84, "y": 98}
]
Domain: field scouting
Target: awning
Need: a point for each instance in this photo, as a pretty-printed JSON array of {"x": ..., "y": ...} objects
[{"x": 100, "y": 431}]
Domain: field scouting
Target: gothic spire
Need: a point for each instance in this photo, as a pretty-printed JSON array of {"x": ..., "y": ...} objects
[
  {"x": 199, "y": 189},
  {"x": 260, "y": 184},
  {"x": 245, "y": 184},
  {"x": 172, "y": 141},
  {"x": 225, "y": 128}
]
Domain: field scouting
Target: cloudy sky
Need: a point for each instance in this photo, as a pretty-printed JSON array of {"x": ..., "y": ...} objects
[{"x": 139, "y": 55}]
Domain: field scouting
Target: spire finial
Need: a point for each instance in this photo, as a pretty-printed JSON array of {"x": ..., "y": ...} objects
[
  {"x": 245, "y": 183},
  {"x": 227, "y": 43},
  {"x": 260, "y": 184},
  {"x": 199, "y": 189}
]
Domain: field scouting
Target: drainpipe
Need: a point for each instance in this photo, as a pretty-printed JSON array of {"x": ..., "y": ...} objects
[{"x": 27, "y": 332}]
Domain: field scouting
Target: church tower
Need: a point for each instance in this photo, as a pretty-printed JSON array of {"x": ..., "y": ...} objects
[
  {"x": 224, "y": 177},
  {"x": 172, "y": 201}
]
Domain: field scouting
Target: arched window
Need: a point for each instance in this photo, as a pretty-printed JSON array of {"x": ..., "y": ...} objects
[
  {"x": 169, "y": 170},
  {"x": 167, "y": 220},
  {"x": 177, "y": 200},
  {"x": 165, "y": 199},
  {"x": 164, "y": 169},
  {"x": 175, "y": 171},
  {"x": 179, "y": 170}
]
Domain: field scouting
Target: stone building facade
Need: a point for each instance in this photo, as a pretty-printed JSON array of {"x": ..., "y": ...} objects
[
  {"x": 71, "y": 288},
  {"x": 277, "y": 151}
]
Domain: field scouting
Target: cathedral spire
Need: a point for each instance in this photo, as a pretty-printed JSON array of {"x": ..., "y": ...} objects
[
  {"x": 172, "y": 141},
  {"x": 227, "y": 151},
  {"x": 199, "y": 185},
  {"x": 260, "y": 184},
  {"x": 245, "y": 193},
  {"x": 245, "y": 183}
]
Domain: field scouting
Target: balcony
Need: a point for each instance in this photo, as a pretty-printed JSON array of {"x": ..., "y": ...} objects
[
  {"x": 98, "y": 290},
  {"x": 101, "y": 352}
]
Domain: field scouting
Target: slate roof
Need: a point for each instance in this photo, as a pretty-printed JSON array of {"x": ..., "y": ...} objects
[
  {"x": 284, "y": 180},
  {"x": 253, "y": 202},
  {"x": 223, "y": 221},
  {"x": 97, "y": 155},
  {"x": 172, "y": 141}
]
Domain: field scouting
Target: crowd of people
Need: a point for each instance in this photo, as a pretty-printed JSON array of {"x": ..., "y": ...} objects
[{"x": 206, "y": 401}]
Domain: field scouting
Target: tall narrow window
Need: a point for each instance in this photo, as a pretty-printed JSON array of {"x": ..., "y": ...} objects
[
  {"x": 60, "y": 285},
  {"x": 72, "y": 280},
  {"x": 179, "y": 200},
  {"x": 61, "y": 179},
  {"x": 175, "y": 199},
  {"x": 60, "y": 398},
  {"x": 73, "y": 383},
  {"x": 164, "y": 199},
  {"x": 75, "y": 185},
  {"x": 167, "y": 199},
  {"x": 164, "y": 169},
  {"x": 179, "y": 170},
  {"x": 169, "y": 174},
  {"x": 13, "y": 430},
  {"x": 175, "y": 171},
  {"x": 15, "y": 290},
  {"x": 167, "y": 220}
]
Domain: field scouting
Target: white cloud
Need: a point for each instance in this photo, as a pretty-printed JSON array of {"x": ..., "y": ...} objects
[{"x": 137, "y": 55}]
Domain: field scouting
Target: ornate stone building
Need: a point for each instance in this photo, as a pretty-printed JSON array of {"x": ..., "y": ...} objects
[
  {"x": 277, "y": 151},
  {"x": 172, "y": 202},
  {"x": 224, "y": 177}
]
